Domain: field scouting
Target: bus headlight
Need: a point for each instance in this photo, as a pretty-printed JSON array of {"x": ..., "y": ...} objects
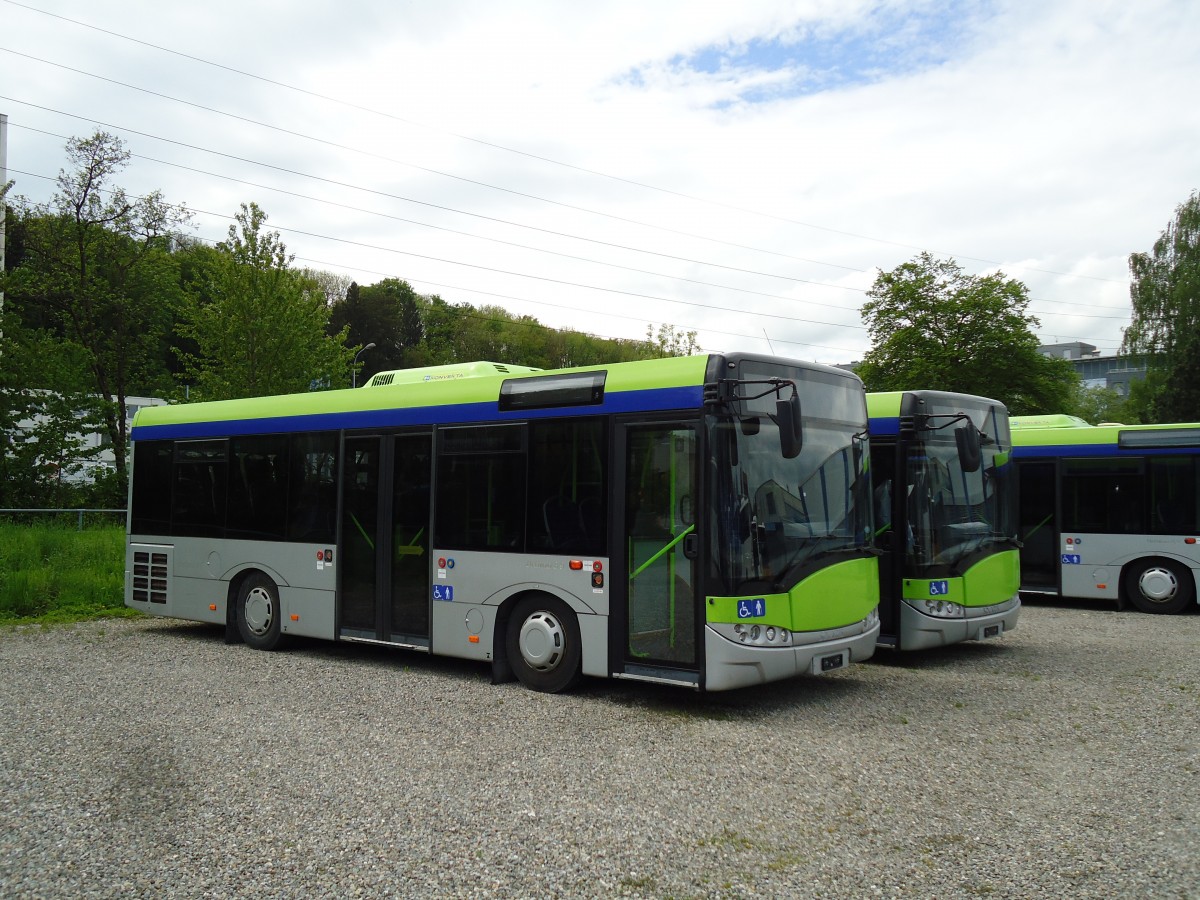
[
  {"x": 761, "y": 635},
  {"x": 940, "y": 609}
]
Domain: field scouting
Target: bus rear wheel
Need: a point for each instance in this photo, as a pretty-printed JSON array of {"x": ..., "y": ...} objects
[
  {"x": 1159, "y": 586},
  {"x": 258, "y": 614},
  {"x": 543, "y": 644}
]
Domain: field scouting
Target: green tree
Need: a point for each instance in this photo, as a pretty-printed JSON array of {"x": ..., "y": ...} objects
[
  {"x": 1165, "y": 293},
  {"x": 44, "y": 454},
  {"x": 385, "y": 314},
  {"x": 257, "y": 325},
  {"x": 936, "y": 328},
  {"x": 1102, "y": 404},
  {"x": 95, "y": 270},
  {"x": 670, "y": 342}
]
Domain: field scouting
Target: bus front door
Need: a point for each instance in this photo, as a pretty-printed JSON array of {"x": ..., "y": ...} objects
[
  {"x": 656, "y": 622},
  {"x": 384, "y": 579}
]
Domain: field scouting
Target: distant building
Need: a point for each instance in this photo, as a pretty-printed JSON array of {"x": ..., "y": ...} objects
[
  {"x": 1113, "y": 372},
  {"x": 104, "y": 461}
]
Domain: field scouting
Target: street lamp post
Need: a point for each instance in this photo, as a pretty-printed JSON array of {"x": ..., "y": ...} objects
[{"x": 354, "y": 365}]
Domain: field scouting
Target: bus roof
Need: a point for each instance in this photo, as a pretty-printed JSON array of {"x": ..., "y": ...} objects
[
  {"x": 653, "y": 384},
  {"x": 1057, "y": 420},
  {"x": 445, "y": 373},
  {"x": 1077, "y": 438}
]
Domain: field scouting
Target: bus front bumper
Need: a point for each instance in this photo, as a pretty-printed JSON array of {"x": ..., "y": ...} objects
[
  {"x": 732, "y": 665},
  {"x": 919, "y": 631}
]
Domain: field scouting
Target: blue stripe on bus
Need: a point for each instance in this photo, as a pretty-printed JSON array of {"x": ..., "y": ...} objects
[
  {"x": 1099, "y": 450},
  {"x": 653, "y": 400},
  {"x": 885, "y": 426}
]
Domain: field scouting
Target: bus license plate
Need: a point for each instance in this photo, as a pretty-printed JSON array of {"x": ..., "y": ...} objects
[{"x": 829, "y": 663}]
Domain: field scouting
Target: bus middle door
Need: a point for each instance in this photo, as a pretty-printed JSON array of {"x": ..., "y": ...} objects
[{"x": 384, "y": 589}]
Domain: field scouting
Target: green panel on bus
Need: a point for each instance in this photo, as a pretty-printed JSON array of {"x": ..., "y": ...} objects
[
  {"x": 833, "y": 597},
  {"x": 990, "y": 581},
  {"x": 994, "y": 579},
  {"x": 884, "y": 404}
]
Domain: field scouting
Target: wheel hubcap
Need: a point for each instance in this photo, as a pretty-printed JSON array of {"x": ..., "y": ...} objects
[
  {"x": 260, "y": 611},
  {"x": 1158, "y": 585},
  {"x": 542, "y": 641}
]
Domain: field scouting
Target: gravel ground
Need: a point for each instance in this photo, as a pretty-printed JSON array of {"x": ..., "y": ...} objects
[{"x": 144, "y": 757}]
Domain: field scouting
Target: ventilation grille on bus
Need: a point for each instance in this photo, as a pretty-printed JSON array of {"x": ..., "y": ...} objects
[
  {"x": 151, "y": 575},
  {"x": 383, "y": 378}
]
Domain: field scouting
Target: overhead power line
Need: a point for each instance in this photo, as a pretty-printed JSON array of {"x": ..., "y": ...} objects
[
  {"x": 640, "y": 319},
  {"x": 545, "y": 159},
  {"x": 443, "y": 208},
  {"x": 401, "y": 198}
]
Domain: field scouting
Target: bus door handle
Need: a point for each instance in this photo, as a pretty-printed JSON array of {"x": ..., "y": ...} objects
[{"x": 691, "y": 545}]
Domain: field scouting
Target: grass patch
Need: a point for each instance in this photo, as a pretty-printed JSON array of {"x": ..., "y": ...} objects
[{"x": 56, "y": 573}]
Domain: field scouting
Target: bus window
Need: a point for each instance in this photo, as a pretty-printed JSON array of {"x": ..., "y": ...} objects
[
  {"x": 150, "y": 503},
  {"x": 312, "y": 488},
  {"x": 568, "y": 512},
  {"x": 258, "y": 485},
  {"x": 1103, "y": 496},
  {"x": 198, "y": 490},
  {"x": 1173, "y": 506},
  {"x": 481, "y": 488}
]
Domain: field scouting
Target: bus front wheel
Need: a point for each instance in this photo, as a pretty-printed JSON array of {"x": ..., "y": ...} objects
[
  {"x": 1159, "y": 586},
  {"x": 543, "y": 644},
  {"x": 258, "y": 615}
]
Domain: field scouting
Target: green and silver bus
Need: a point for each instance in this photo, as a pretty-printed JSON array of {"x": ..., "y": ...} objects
[
  {"x": 701, "y": 521},
  {"x": 945, "y": 512},
  {"x": 1109, "y": 512}
]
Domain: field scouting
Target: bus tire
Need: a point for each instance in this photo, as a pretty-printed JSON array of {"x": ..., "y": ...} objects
[
  {"x": 258, "y": 613},
  {"x": 1159, "y": 585},
  {"x": 543, "y": 644}
]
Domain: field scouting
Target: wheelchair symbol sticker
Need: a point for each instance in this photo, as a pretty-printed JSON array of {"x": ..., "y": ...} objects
[{"x": 752, "y": 609}]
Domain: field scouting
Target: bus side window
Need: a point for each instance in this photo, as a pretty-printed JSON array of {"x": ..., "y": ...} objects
[
  {"x": 567, "y": 490},
  {"x": 312, "y": 494},
  {"x": 1173, "y": 508},
  {"x": 198, "y": 490},
  {"x": 151, "y": 500},
  {"x": 481, "y": 496},
  {"x": 258, "y": 476},
  {"x": 1104, "y": 496}
]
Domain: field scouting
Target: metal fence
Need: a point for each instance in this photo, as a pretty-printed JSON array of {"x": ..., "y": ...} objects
[{"x": 79, "y": 513}]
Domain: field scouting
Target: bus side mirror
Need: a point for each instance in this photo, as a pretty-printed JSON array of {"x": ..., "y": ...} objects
[
  {"x": 787, "y": 417},
  {"x": 969, "y": 452}
]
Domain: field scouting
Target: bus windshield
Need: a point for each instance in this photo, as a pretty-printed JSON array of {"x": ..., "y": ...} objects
[
  {"x": 777, "y": 519},
  {"x": 954, "y": 514}
]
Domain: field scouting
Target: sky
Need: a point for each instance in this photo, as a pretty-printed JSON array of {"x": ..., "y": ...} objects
[{"x": 741, "y": 170}]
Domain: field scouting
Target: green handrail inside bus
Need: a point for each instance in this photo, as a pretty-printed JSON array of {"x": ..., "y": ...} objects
[
  {"x": 412, "y": 548},
  {"x": 1032, "y": 531},
  {"x": 362, "y": 531},
  {"x": 665, "y": 549}
]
